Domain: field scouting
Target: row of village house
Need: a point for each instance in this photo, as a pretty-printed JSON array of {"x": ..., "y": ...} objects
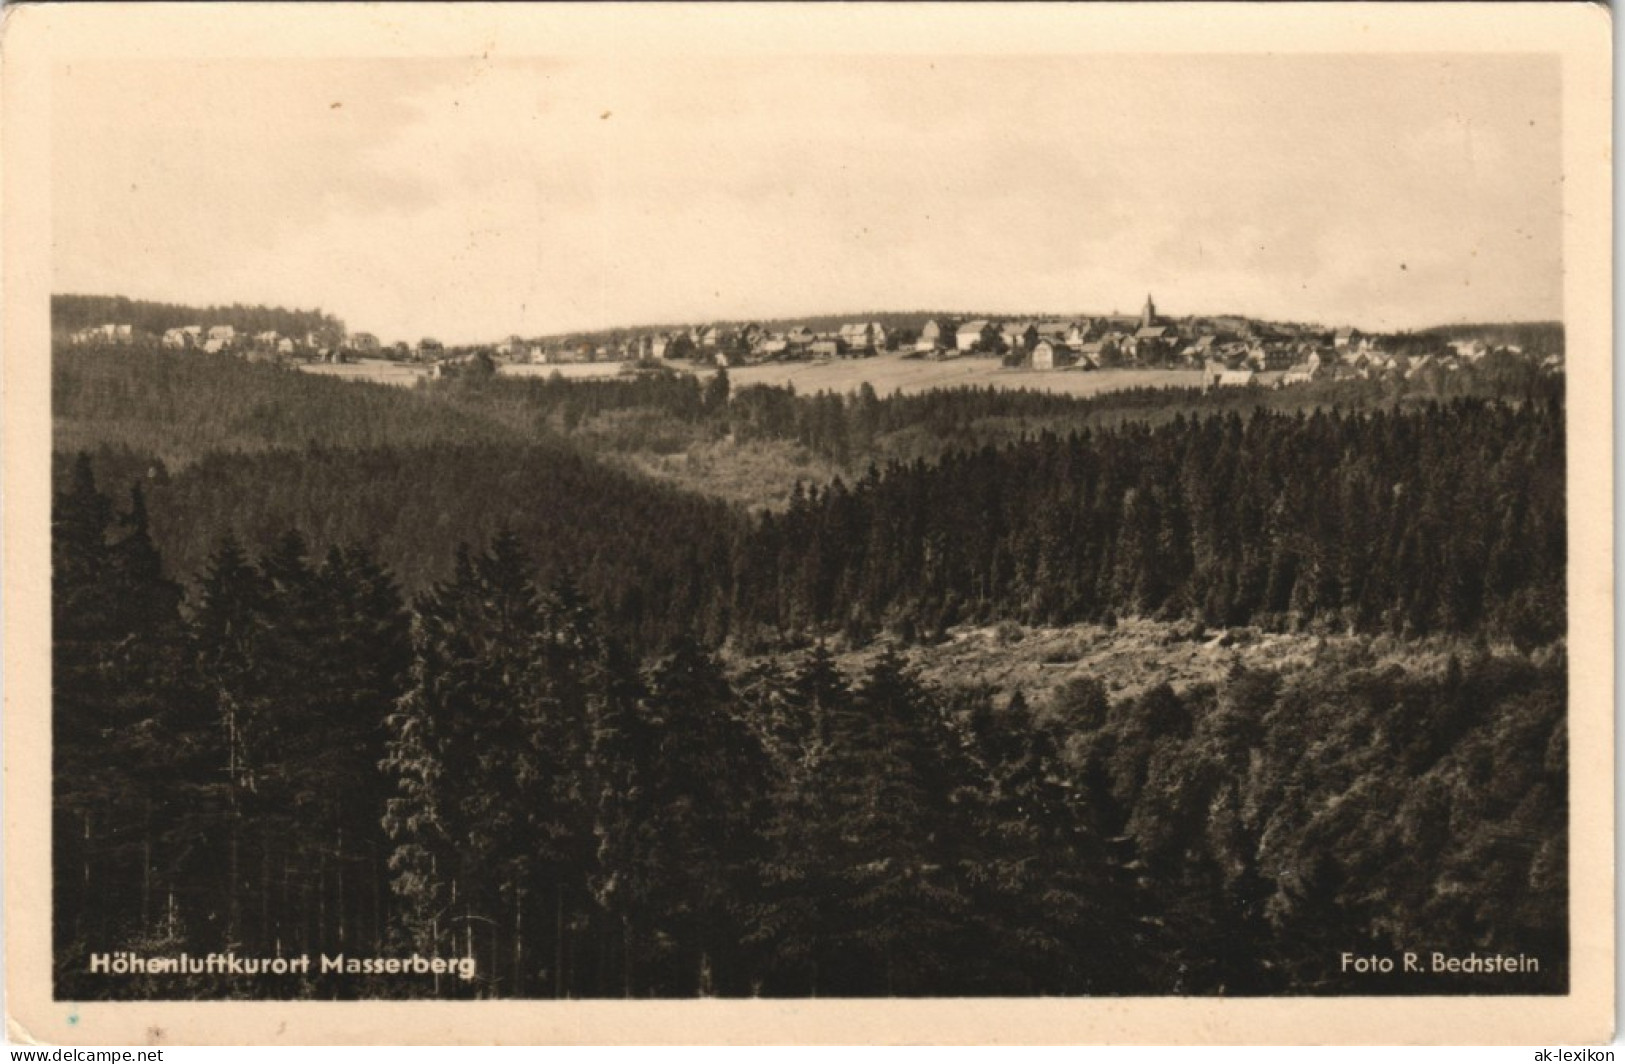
[
  {"x": 1049, "y": 345},
  {"x": 218, "y": 339},
  {"x": 213, "y": 339}
]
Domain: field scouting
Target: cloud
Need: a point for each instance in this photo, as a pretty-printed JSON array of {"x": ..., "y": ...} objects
[{"x": 471, "y": 199}]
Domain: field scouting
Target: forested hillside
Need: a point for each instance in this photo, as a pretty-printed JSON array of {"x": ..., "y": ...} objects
[
  {"x": 1370, "y": 521},
  {"x": 578, "y": 825},
  {"x": 347, "y": 669},
  {"x": 1375, "y": 522},
  {"x": 181, "y": 406}
]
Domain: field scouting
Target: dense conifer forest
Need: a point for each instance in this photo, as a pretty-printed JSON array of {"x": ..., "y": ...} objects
[{"x": 346, "y": 669}]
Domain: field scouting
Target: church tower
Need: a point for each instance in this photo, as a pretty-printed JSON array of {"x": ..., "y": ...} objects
[{"x": 1148, "y": 316}]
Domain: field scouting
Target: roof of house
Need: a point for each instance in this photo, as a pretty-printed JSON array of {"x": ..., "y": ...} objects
[
  {"x": 978, "y": 326},
  {"x": 1151, "y": 332}
]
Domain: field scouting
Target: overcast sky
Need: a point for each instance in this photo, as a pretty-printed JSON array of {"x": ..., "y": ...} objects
[{"x": 470, "y": 199}]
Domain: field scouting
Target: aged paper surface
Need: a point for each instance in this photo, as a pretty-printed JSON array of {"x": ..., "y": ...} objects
[{"x": 40, "y": 44}]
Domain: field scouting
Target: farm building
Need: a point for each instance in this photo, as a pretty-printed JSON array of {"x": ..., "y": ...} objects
[
  {"x": 1270, "y": 358},
  {"x": 863, "y": 336},
  {"x": 1150, "y": 342},
  {"x": 1419, "y": 364},
  {"x": 1019, "y": 335},
  {"x": 680, "y": 346},
  {"x": 1096, "y": 354},
  {"x": 934, "y": 334},
  {"x": 718, "y": 336},
  {"x": 1052, "y": 354},
  {"x": 1198, "y": 350},
  {"x": 979, "y": 335}
]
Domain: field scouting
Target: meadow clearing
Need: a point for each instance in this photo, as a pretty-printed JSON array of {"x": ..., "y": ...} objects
[
  {"x": 376, "y": 370},
  {"x": 891, "y": 374},
  {"x": 888, "y": 374}
]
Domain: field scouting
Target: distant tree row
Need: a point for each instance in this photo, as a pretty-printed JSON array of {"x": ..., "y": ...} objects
[{"x": 1538, "y": 338}]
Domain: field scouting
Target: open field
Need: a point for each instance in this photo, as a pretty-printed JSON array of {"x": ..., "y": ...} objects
[
  {"x": 575, "y": 371},
  {"x": 376, "y": 370},
  {"x": 889, "y": 374},
  {"x": 892, "y": 373}
]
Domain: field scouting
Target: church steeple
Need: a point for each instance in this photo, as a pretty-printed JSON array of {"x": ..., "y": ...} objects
[{"x": 1148, "y": 316}]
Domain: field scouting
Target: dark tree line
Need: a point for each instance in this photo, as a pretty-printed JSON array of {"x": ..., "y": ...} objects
[
  {"x": 297, "y": 761},
  {"x": 1536, "y": 338}
]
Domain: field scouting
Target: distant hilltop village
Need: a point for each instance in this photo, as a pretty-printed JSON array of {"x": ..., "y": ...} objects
[{"x": 1228, "y": 350}]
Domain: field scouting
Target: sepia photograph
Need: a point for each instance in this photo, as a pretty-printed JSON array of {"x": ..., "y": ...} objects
[{"x": 615, "y": 505}]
